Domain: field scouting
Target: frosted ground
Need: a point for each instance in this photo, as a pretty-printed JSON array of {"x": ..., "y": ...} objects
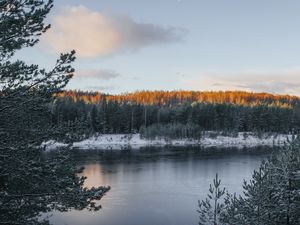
[{"x": 135, "y": 141}]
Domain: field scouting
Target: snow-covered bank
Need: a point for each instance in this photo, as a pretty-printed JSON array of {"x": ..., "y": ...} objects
[{"x": 134, "y": 141}]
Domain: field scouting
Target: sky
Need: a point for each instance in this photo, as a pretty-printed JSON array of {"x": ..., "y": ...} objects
[{"x": 129, "y": 45}]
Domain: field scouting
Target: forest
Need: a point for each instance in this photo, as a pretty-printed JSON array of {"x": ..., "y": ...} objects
[
  {"x": 271, "y": 197},
  {"x": 231, "y": 112},
  {"x": 173, "y": 97},
  {"x": 34, "y": 107}
]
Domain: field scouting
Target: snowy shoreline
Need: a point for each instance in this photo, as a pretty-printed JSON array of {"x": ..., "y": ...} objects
[{"x": 134, "y": 141}]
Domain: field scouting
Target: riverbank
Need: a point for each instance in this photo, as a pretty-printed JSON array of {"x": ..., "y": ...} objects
[{"x": 135, "y": 141}]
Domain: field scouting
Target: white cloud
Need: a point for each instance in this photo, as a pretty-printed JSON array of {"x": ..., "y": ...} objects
[
  {"x": 100, "y": 74},
  {"x": 93, "y": 33},
  {"x": 279, "y": 82},
  {"x": 101, "y": 88}
]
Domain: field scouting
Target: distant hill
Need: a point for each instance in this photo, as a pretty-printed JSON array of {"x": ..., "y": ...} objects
[
  {"x": 173, "y": 112},
  {"x": 178, "y": 97}
]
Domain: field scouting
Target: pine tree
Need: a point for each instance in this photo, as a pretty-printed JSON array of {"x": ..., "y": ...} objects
[
  {"x": 102, "y": 116},
  {"x": 211, "y": 209},
  {"x": 94, "y": 120},
  {"x": 272, "y": 197},
  {"x": 29, "y": 182},
  {"x": 254, "y": 208},
  {"x": 285, "y": 169}
]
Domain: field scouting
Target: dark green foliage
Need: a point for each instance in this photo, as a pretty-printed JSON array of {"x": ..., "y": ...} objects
[
  {"x": 125, "y": 117},
  {"x": 211, "y": 208},
  {"x": 21, "y": 22},
  {"x": 272, "y": 197},
  {"x": 31, "y": 183},
  {"x": 171, "y": 131}
]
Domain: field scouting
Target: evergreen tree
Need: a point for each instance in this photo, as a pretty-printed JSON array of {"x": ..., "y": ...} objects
[
  {"x": 210, "y": 209},
  {"x": 31, "y": 183},
  {"x": 94, "y": 120},
  {"x": 272, "y": 197}
]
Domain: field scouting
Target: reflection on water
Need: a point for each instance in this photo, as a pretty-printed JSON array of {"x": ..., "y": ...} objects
[{"x": 157, "y": 187}]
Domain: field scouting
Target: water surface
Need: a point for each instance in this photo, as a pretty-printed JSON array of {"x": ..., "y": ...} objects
[{"x": 158, "y": 187}]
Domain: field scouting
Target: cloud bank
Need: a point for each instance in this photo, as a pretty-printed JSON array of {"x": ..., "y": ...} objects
[
  {"x": 93, "y": 33},
  {"x": 100, "y": 74},
  {"x": 279, "y": 82},
  {"x": 101, "y": 88}
]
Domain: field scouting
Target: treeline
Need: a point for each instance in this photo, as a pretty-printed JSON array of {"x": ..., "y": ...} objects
[
  {"x": 179, "y": 97},
  {"x": 171, "y": 131},
  {"x": 112, "y": 116},
  {"x": 272, "y": 197}
]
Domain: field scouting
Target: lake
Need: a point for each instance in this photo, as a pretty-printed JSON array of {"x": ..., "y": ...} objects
[{"x": 158, "y": 186}]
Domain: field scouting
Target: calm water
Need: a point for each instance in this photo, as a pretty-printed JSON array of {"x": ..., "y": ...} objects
[{"x": 157, "y": 187}]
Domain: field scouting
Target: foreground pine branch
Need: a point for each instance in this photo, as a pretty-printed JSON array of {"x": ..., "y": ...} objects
[{"x": 32, "y": 183}]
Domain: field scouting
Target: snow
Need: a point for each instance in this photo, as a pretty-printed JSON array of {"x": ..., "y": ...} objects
[
  {"x": 52, "y": 145},
  {"x": 245, "y": 140},
  {"x": 134, "y": 141}
]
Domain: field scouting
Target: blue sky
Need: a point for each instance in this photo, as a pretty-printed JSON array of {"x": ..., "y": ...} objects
[{"x": 128, "y": 45}]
